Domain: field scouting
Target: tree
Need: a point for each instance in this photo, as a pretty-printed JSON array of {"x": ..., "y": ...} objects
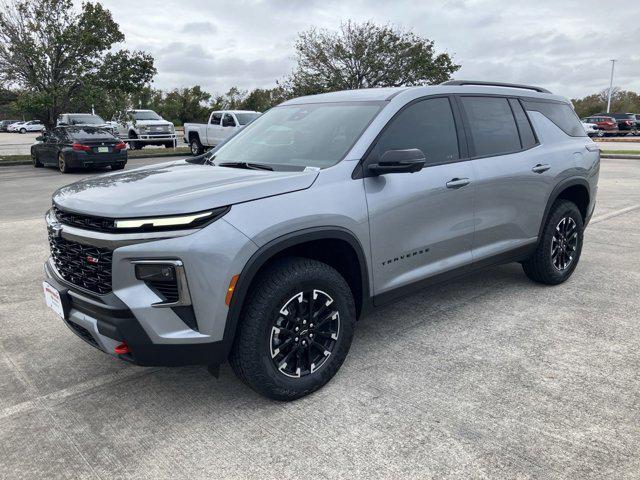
[
  {"x": 365, "y": 55},
  {"x": 262, "y": 99},
  {"x": 59, "y": 57},
  {"x": 182, "y": 105},
  {"x": 621, "y": 101}
]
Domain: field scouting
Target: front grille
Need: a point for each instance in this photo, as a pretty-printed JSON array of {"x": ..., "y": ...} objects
[
  {"x": 98, "y": 224},
  {"x": 83, "y": 265},
  {"x": 83, "y": 333}
]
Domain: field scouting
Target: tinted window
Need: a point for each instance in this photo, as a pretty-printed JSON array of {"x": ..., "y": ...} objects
[
  {"x": 89, "y": 133},
  {"x": 559, "y": 113},
  {"x": 427, "y": 125},
  {"x": 215, "y": 119},
  {"x": 244, "y": 118},
  {"x": 491, "y": 125},
  {"x": 527, "y": 138},
  {"x": 228, "y": 121},
  {"x": 145, "y": 115},
  {"x": 85, "y": 120}
]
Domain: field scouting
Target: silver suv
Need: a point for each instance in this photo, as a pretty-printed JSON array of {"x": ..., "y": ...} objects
[{"x": 267, "y": 249}]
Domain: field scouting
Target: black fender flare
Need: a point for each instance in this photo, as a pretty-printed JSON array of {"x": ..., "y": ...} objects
[
  {"x": 555, "y": 193},
  {"x": 272, "y": 248}
]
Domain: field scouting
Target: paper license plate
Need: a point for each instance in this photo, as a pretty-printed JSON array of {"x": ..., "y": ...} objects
[
  {"x": 52, "y": 297},
  {"x": 103, "y": 149}
]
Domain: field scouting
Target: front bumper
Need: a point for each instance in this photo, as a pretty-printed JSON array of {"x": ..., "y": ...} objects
[
  {"x": 104, "y": 322},
  {"x": 156, "y": 336}
]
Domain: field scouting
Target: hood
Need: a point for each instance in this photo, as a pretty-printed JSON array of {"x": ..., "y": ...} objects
[{"x": 175, "y": 188}]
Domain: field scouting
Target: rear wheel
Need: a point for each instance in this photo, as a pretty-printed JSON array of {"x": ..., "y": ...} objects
[
  {"x": 296, "y": 329},
  {"x": 62, "y": 164},
  {"x": 23, "y": 130},
  {"x": 559, "y": 248},
  {"x": 196, "y": 146}
]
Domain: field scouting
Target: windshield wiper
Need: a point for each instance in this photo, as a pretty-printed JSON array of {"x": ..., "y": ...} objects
[{"x": 247, "y": 165}]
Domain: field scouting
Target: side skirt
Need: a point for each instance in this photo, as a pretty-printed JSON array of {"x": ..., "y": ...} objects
[{"x": 516, "y": 255}]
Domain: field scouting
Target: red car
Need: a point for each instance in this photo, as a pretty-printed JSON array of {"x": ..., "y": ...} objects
[{"x": 607, "y": 125}]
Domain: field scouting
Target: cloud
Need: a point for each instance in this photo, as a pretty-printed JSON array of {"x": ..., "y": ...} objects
[
  {"x": 249, "y": 43},
  {"x": 195, "y": 28}
]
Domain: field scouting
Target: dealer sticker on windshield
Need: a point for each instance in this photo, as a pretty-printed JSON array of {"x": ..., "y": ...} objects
[{"x": 52, "y": 297}]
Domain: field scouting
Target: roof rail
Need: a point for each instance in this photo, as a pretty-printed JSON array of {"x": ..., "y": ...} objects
[{"x": 495, "y": 84}]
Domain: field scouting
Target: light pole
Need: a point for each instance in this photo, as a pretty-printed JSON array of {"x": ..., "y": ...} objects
[{"x": 613, "y": 64}]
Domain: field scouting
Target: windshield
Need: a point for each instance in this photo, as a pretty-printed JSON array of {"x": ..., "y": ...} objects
[
  {"x": 146, "y": 115},
  {"x": 314, "y": 135},
  {"x": 85, "y": 120},
  {"x": 244, "y": 118}
]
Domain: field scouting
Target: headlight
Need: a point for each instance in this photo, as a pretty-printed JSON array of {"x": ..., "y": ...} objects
[
  {"x": 144, "y": 128},
  {"x": 148, "y": 224}
]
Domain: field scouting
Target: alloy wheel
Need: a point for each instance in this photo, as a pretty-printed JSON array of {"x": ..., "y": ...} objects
[
  {"x": 564, "y": 243},
  {"x": 304, "y": 333}
]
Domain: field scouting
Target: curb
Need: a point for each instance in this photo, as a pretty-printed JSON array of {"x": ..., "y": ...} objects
[{"x": 614, "y": 155}]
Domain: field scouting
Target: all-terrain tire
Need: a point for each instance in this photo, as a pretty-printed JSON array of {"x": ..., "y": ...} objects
[
  {"x": 540, "y": 266},
  {"x": 252, "y": 354}
]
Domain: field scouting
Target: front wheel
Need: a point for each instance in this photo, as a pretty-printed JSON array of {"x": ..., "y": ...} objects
[
  {"x": 23, "y": 131},
  {"x": 296, "y": 329},
  {"x": 62, "y": 164},
  {"x": 559, "y": 248},
  {"x": 36, "y": 161}
]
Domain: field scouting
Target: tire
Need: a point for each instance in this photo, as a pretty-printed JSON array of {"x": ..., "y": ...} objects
[
  {"x": 36, "y": 162},
  {"x": 132, "y": 144},
  {"x": 62, "y": 164},
  {"x": 600, "y": 133},
  {"x": 563, "y": 234},
  {"x": 23, "y": 131},
  {"x": 195, "y": 146},
  {"x": 272, "y": 307},
  {"x": 119, "y": 166}
]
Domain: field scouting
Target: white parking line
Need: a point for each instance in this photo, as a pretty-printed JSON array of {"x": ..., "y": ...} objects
[{"x": 615, "y": 213}]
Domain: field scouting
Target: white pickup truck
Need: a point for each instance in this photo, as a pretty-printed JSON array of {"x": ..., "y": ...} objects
[
  {"x": 145, "y": 127},
  {"x": 222, "y": 124}
]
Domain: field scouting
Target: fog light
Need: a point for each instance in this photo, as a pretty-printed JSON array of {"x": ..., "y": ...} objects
[{"x": 156, "y": 272}]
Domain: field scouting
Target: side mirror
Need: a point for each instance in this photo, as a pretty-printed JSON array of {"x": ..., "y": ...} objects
[{"x": 398, "y": 161}]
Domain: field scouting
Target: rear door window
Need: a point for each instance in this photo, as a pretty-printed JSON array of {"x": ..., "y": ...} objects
[
  {"x": 492, "y": 127},
  {"x": 428, "y": 125},
  {"x": 215, "y": 118},
  {"x": 562, "y": 114}
]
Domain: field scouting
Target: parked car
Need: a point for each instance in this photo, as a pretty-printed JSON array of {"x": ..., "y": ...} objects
[
  {"x": 266, "y": 250},
  {"x": 145, "y": 127},
  {"x": 83, "y": 119},
  {"x": 607, "y": 125},
  {"x": 79, "y": 147},
  {"x": 221, "y": 125},
  {"x": 24, "y": 127},
  {"x": 4, "y": 124},
  {"x": 626, "y": 122},
  {"x": 591, "y": 129}
]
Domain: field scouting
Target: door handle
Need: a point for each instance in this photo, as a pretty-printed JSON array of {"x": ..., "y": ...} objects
[
  {"x": 541, "y": 168},
  {"x": 458, "y": 182}
]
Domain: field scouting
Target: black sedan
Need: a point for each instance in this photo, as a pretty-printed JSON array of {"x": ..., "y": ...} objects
[{"x": 79, "y": 147}]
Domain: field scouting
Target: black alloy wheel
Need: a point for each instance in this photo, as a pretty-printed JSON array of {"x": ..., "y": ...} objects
[{"x": 304, "y": 333}]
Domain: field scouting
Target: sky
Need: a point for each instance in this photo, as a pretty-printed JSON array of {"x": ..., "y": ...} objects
[{"x": 565, "y": 46}]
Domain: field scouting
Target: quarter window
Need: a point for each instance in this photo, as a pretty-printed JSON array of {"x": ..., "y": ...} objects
[
  {"x": 527, "y": 138},
  {"x": 427, "y": 125},
  {"x": 562, "y": 114},
  {"x": 491, "y": 125}
]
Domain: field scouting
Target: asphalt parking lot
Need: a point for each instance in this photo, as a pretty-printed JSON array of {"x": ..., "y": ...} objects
[{"x": 488, "y": 377}]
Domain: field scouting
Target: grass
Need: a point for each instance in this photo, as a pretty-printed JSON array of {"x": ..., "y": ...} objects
[
  {"x": 145, "y": 153},
  {"x": 621, "y": 152}
]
